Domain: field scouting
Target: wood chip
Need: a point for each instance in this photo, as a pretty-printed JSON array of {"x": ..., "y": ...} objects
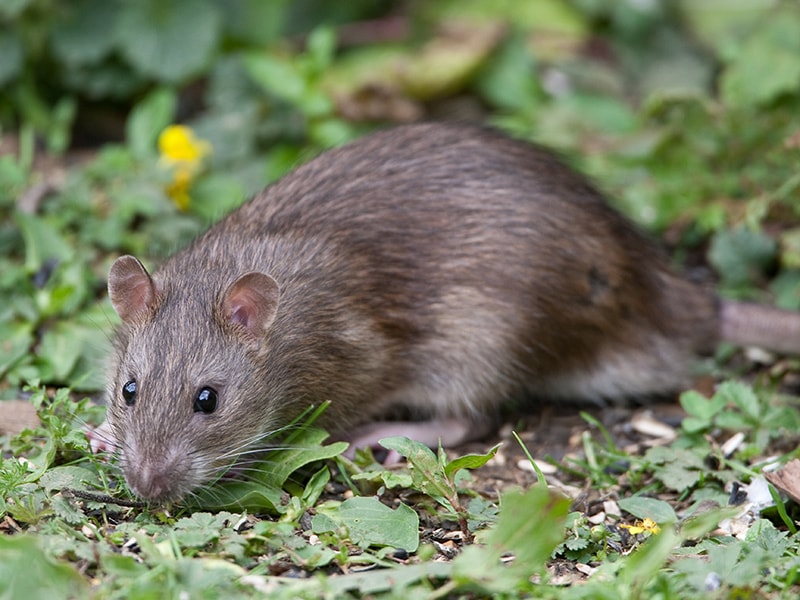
[
  {"x": 787, "y": 479},
  {"x": 597, "y": 518},
  {"x": 732, "y": 444},
  {"x": 610, "y": 507},
  {"x": 644, "y": 423},
  {"x": 525, "y": 465},
  {"x": 585, "y": 569}
]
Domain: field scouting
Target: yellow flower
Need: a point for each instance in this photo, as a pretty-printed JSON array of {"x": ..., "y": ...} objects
[
  {"x": 178, "y": 188},
  {"x": 645, "y": 526},
  {"x": 178, "y": 144},
  {"x": 183, "y": 153}
]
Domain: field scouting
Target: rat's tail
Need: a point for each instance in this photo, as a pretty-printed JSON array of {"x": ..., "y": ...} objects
[{"x": 770, "y": 328}]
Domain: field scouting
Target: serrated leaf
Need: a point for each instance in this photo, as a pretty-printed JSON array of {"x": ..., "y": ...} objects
[
  {"x": 577, "y": 543},
  {"x": 741, "y": 396},
  {"x": 649, "y": 508},
  {"x": 678, "y": 469},
  {"x": 201, "y": 528},
  {"x": 699, "y": 406},
  {"x": 66, "y": 510},
  {"x": 68, "y": 476}
]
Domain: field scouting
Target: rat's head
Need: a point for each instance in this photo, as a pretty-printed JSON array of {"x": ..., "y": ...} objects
[{"x": 186, "y": 394}]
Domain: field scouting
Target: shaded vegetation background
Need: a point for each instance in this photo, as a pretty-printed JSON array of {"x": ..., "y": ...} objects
[{"x": 686, "y": 112}]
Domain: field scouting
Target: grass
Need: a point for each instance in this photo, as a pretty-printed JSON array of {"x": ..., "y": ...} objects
[{"x": 686, "y": 113}]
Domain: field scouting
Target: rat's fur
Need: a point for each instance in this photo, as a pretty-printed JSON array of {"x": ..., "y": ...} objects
[{"x": 441, "y": 268}]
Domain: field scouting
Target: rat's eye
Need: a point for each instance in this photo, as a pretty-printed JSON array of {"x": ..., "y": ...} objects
[
  {"x": 129, "y": 392},
  {"x": 206, "y": 400}
]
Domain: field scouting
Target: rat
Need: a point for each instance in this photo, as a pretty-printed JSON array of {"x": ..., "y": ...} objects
[{"x": 433, "y": 270}]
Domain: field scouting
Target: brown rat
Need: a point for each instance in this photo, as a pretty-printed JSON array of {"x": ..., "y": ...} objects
[{"x": 438, "y": 268}]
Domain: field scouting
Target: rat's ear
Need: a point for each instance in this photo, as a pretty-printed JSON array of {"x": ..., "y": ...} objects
[
  {"x": 252, "y": 302},
  {"x": 130, "y": 288}
]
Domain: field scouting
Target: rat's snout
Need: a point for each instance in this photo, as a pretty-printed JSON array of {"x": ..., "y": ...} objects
[{"x": 158, "y": 481}]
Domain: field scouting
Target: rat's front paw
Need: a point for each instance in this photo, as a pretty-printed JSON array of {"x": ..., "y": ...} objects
[{"x": 101, "y": 439}]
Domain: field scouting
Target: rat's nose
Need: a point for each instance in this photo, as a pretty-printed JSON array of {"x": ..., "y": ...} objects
[{"x": 160, "y": 481}]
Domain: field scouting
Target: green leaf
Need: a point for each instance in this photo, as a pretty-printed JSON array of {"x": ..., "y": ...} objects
[
  {"x": 678, "y": 469},
  {"x": 264, "y": 489},
  {"x": 169, "y": 41},
  {"x": 393, "y": 580},
  {"x": 26, "y": 572},
  {"x": 68, "y": 476},
  {"x": 741, "y": 255},
  {"x": 321, "y": 47},
  {"x": 701, "y": 410},
  {"x": 42, "y": 242},
  {"x": 11, "y": 9},
  {"x": 86, "y": 33},
  {"x": 216, "y": 195},
  {"x": 277, "y": 76},
  {"x": 766, "y": 65},
  {"x": 530, "y": 526},
  {"x": 742, "y": 396},
  {"x": 202, "y": 528},
  {"x": 468, "y": 461},
  {"x": 147, "y": 120},
  {"x": 17, "y": 340},
  {"x": 426, "y": 472},
  {"x": 369, "y": 522},
  {"x": 649, "y": 508},
  {"x": 507, "y": 80},
  {"x": 256, "y": 21},
  {"x": 12, "y": 51}
]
